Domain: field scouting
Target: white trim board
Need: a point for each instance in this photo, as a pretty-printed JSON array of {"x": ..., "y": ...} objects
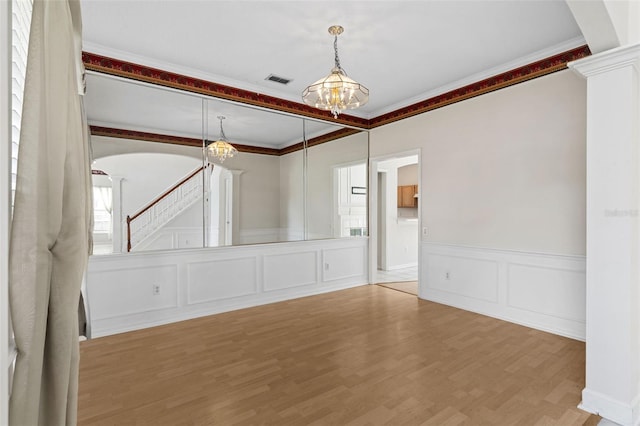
[
  {"x": 542, "y": 291},
  {"x": 616, "y": 411}
]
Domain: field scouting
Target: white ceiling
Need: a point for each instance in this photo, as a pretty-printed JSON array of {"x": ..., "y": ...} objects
[{"x": 403, "y": 51}]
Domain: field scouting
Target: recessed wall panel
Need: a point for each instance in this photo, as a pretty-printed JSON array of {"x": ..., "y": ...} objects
[
  {"x": 147, "y": 289},
  {"x": 221, "y": 279},
  {"x": 551, "y": 291},
  {"x": 343, "y": 263},
  {"x": 290, "y": 270},
  {"x": 474, "y": 278}
]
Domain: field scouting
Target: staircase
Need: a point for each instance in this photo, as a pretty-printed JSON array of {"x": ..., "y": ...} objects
[{"x": 164, "y": 208}]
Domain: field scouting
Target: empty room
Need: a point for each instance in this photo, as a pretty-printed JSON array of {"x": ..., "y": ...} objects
[{"x": 320, "y": 212}]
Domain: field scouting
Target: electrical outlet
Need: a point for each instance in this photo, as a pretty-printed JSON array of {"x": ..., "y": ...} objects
[
  {"x": 425, "y": 231},
  {"x": 326, "y": 266},
  {"x": 156, "y": 289},
  {"x": 447, "y": 276}
]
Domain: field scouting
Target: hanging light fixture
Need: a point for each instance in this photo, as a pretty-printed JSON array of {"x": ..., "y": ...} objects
[
  {"x": 337, "y": 91},
  {"x": 221, "y": 149}
]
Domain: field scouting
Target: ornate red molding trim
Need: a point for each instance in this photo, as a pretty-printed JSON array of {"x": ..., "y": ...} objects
[
  {"x": 133, "y": 71},
  {"x": 138, "y": 72},
  {"x": 343, "y": 132},
  {"x": 518, "y": 75},
  {"x": 197, "y": 143},
  {"x": 144, "y": 136}
]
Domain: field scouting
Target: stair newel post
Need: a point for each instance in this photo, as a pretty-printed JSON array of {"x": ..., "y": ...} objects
[{"x": 128, "y": 233}]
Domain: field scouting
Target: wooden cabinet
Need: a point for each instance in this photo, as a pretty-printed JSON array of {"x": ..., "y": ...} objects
[{"x": 407, "y": 196}]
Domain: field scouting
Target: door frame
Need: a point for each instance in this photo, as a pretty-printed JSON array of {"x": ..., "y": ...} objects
[{"x": 373, "y": 213}]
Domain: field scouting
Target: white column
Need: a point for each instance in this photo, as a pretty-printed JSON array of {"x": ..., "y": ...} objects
[
  {"x": 119, "y": 245},
  {"x": 236, "y": 237},
  {"x": 613, "y": 234}
]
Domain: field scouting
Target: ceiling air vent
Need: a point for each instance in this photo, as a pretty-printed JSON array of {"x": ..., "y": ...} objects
[{"x": 278, "y": 79}]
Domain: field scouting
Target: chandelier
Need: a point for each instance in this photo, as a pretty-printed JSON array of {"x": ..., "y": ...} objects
[
  {"x": 221, "y": 149},
  {"x": 337, "y": 91}
]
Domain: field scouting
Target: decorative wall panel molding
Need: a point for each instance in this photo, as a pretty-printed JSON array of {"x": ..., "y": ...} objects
[
  {"x": 139, "y": 284},
  {"x": 289, "y": 270},
  {"x": 221, "y": 279},
  {"x": 122, "y": 296},
  {"x": 343, "y": 263},
  {"x": 542, "y": 291}
]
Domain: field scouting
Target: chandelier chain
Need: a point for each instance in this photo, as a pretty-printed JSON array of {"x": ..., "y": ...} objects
[
  {"x": 222, "y": 135},
  {"x": 335, "y": 48}
]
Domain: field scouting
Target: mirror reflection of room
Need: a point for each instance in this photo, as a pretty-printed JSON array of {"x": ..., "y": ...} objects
[{"x": 159, "y": 186}]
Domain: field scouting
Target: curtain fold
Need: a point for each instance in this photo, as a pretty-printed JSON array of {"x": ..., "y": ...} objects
[{"x": 50, "y": 234}]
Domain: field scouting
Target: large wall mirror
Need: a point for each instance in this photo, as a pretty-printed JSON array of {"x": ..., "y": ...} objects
[{"x": 155, "y": 187}]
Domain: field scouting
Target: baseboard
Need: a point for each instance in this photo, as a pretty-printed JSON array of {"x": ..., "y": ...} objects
[
  {"x": 403, "y": 266},
  {"x": 611, "y": 409},
  {"x": 542, "y": 291}
]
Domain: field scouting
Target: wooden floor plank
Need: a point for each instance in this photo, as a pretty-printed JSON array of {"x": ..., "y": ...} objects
[{"x": 363, "y": 356}]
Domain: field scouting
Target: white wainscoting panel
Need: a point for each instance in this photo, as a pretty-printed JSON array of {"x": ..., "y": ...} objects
[
  {"x": 464, "y": 276},
  {"x": 138, "y": 284},
  {"x": 221, "y": 279},
  {"x": 199, "y": 282},
  {"x": 556, "y": 292},
  {"x": 288, "y": 270},
  {"x": 343, "y": 263},
  {"x": 169, "y": 238},
  {"x": 542, "y": 291}
]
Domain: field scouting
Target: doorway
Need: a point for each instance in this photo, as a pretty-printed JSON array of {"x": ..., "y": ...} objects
[
  {"x": 219, "y": 207},
  {"x": 395, "y": 217}
]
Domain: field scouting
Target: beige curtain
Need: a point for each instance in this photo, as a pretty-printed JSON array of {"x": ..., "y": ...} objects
[{"x": 51, "y": 221}]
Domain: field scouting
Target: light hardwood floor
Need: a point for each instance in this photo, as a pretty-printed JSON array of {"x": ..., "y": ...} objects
[
  {"x": 364, "y": 356},
  {"x": 410, "y": 287}
]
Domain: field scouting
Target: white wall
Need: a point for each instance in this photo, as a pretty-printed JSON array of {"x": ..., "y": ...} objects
[
  {"x": 503, "y": 170},
  {"x": 401, "y": 233},
  {"x": 502, "y": 193}
]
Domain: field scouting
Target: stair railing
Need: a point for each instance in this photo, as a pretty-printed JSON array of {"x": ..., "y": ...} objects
[{"x": 163, "y": 208}]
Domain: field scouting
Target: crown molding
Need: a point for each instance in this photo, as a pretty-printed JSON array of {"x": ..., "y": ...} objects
[
  {"x": 491, "y": 72},
  {"x": 609, "y": 60},
  {"x": 197, "y": 143},
  {"x": 531, "y": 70},
  {"x": 518, "y": 75}
]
